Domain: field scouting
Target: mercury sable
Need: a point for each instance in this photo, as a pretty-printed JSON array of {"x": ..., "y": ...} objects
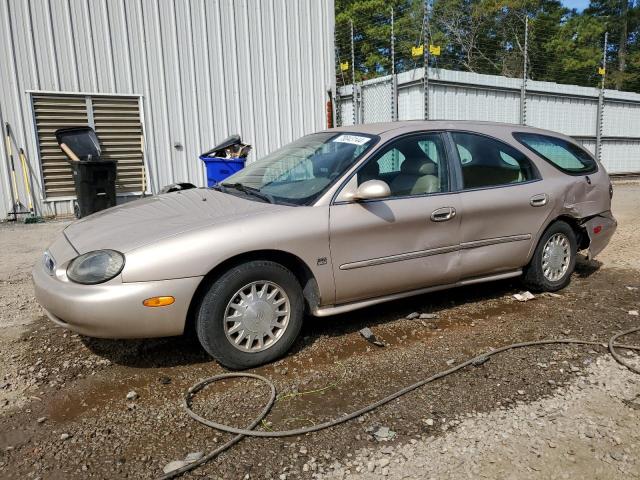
[{"x": 337, "y": 220}]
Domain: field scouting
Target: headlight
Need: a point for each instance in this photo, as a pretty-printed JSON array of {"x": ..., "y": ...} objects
[{"x": 95, "y": 267}]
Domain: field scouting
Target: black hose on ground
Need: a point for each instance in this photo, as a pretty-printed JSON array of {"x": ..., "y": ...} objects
[{"x": 250, "y": 432}]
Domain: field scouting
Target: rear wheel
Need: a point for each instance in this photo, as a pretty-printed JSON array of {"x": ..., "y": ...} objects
[
  {"x": 251, "y": 315},
  {"x": 554, "y": 259}
]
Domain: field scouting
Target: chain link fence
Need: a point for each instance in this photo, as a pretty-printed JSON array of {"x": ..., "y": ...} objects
[
  {"x": 416, "y": 36},
  {"x": 377, "y": 100},
  {"x": 418, "y": 61}
]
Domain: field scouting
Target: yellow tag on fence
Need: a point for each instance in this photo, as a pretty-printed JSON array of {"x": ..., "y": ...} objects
[
  {"x": 601, "y": 71},
  {"x": 434, "y": 50},
  {"x": 344, "y": 66},
  {"x": 417, "y": 51}
]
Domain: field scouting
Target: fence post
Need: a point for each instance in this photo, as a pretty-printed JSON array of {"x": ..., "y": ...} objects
[
  {"x": 425, "y": 53},
  {"x": 337, "y": 106},
  {"x": 600, "y": 119},
  {"x": 394, "y": 80},
  {"x": 523, "y": 89},
  {"x": 354, "y": 100}
]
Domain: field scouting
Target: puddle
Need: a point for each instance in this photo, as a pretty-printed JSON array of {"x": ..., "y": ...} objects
[
  {"x": 502, "y": 309},
  {"x": 318, "y": 352},
  {"x": 88, "y": 394}
]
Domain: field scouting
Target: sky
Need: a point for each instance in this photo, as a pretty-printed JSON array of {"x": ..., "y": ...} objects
[{"x": 577, "y": 4}]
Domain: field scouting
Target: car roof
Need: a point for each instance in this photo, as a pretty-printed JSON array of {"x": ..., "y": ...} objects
[{"x": 408, "y": 125}]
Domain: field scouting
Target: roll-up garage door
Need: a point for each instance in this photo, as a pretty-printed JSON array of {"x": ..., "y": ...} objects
[{"x": 116, "y": 120}]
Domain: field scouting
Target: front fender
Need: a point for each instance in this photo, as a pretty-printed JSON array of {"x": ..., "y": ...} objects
[{"x": 300, "y": 231}]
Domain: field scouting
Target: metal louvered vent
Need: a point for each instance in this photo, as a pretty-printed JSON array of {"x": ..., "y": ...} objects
[
  {"x": 51, "y": 113},
  {"x": 117, "y": 124},
  {"x": 116, "y": 120}
]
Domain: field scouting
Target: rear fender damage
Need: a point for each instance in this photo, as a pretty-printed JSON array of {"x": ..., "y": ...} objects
[
  {"x": 586, "y": 202},
  {"x": 600, "y": 229}
]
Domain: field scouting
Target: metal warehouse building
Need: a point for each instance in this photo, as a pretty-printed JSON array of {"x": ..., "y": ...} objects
[{"x": 160, "y": 81}]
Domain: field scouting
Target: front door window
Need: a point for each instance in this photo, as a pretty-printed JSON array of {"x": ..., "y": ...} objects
[{"x": 413, "y": 165}]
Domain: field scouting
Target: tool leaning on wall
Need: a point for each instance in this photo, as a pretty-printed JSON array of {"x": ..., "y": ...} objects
[
  {"x": 15, "y": 194},
  {"x": 25, "y": 177},
  {"x": 18, "y": 207}
]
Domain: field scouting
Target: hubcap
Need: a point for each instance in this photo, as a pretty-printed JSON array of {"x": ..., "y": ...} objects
[
  {"x": 257, "y": 316},
  {"x": 556, "y": 256}
]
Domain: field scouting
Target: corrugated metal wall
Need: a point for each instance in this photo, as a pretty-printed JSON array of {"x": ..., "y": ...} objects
[
  {"x": 205, "y": 69},
  {"x": 455, "y": 95}
]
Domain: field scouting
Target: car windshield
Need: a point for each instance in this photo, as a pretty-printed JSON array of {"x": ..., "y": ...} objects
[{"x": 301, "y": 171}]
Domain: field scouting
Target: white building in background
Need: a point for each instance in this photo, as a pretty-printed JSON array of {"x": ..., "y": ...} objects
[{"x": 160, "y": 81}]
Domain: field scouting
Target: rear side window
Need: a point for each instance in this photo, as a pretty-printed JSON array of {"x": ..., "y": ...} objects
[
  {"x": 487, "y": 162},
  {"x": 564, "y": 155}
]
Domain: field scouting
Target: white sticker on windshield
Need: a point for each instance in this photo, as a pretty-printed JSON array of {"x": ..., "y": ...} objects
[{"x": 353, "y": 139}]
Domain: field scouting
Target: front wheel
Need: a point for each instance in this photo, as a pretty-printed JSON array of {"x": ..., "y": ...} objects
[
  {"x": 251, "y": 315},
  {"x": 554, "y": 259}
]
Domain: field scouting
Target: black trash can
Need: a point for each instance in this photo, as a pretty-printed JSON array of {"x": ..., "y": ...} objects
[
  {"x": 94, "y": 178},
  {"x": 95, "y": 183}
]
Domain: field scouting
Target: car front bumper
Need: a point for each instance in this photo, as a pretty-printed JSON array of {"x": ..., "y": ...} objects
[{"x": 113, "y": 309}]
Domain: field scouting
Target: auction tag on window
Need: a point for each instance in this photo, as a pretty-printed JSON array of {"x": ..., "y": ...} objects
[{"x": 353, "y": 139}]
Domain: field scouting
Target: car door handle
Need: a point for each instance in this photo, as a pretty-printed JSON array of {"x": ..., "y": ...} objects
[
  {"x": 539, "y": 200},
  {"x": 443, "y": 214}
]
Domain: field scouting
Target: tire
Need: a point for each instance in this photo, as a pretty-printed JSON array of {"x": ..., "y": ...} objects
[
  {"x": 538, "y": 275},
  {"x": 254, "y": 314}
]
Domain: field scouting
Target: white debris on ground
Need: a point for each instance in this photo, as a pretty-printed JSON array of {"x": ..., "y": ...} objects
[
  {"x": 383, "y": 434},
  {"x": 524, "y": 296},
  {"x": 178, "y": 464},
  {"x": 563, "y": 436}
]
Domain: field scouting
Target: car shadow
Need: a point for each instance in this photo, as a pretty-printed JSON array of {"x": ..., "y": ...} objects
[
  {"x": 185, "y": 350},
  {"x": 149, "y": 353},
  {"x": 585, "y": 267},
  {"x": 388, "y": 312}
]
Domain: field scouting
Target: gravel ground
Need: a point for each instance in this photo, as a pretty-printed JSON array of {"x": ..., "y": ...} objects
[
  {"x": 65, "y": 412},
  {"x": 20, "y": 245},
  {"x": 563, "y": 436}
]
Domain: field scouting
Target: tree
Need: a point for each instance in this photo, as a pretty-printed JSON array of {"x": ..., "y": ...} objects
[
  {"x": 465, "y": 29},
  {"x": 621, "y": 19},
  {"x": 372, "y": 34},
  {"x": 578, "y": 49},
  {"x": 487, "y": 36}
]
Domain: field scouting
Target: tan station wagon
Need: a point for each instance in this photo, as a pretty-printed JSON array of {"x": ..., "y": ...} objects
[{"x": 335, "y": 221}]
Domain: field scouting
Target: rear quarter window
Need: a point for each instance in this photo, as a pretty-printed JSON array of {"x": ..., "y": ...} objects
[{"x": 565, "y": 156}]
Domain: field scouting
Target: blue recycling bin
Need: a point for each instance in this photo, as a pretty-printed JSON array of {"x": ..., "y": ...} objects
[{"x": 220, "y": 168}]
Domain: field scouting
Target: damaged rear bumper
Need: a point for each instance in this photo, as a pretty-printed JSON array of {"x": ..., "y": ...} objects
[{"x": 600, "y": 229}]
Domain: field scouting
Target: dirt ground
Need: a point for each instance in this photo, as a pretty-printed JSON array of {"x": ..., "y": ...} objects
[{"x": 535, "y": 413}]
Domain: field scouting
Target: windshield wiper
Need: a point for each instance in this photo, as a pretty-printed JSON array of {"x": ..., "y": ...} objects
[{"x": 250, "y": 191}]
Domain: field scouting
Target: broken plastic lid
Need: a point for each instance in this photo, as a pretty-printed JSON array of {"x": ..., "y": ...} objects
[
  {"x": 230, "y": 147},
  {"x": 82, "y": 141}
]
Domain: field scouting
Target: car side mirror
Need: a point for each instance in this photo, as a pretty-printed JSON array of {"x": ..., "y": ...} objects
[{"x": 372, "y": 190}]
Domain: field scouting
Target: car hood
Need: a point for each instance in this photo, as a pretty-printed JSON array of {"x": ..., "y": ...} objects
[{"x": 145, "y": 221}]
